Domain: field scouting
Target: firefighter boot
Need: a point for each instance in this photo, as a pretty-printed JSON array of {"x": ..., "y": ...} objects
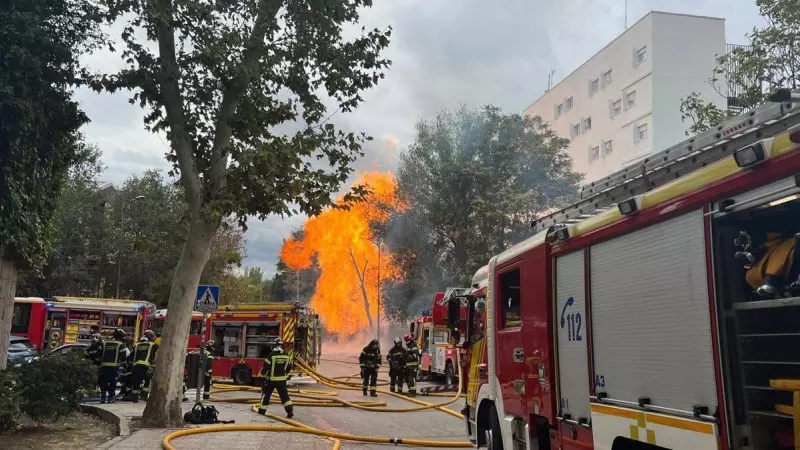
[
  {"x": 391, "y": 388},
  {"x": 289, "y": 412},
  {"x": 364, "y": 391},
  {"x": 373, "y": 394}
]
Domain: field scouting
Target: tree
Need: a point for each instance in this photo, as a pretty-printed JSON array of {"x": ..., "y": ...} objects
[
  {"x": 224, "y": 75},
  {"x": 473, "y": 180},
  {"x": 747, "y": 75},
  {"x": 89, "y": 240},
  {"x": 40, "y": 46}
]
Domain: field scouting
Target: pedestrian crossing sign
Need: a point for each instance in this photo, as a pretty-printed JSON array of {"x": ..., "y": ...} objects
[{"x": 207, "y": 299}]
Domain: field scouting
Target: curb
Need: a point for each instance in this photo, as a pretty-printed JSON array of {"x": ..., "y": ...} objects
[{"x": 123, "y": 430}]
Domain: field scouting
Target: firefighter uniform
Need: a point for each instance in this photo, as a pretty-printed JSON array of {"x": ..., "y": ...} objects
[
  {"x": 397, "y": 365},
  {"x": 110, "y": 359},
  {"x": 95, "y": 349},
  {"x": 412, "y": 365},
  {"x": 370, "y": 361},
  {"x": 125, "y": 372},
  {"x": 144, "y": 356},
  {"x": 275, "y": 372},
  {"x": 207, "y": 376}
]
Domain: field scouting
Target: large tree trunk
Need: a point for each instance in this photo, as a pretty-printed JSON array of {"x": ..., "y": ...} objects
[
  {"x": 362, "y": 281},
  {"x": 163, "y": 408},
  {"x": 8, "y": 288}
]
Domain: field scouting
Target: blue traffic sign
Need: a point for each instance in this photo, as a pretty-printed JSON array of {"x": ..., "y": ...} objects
[{"x": 207, "y": 299}]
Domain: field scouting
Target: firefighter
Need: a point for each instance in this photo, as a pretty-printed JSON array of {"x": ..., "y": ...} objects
[
  {"x": 412, "y": 364},
  {"x": 145, "y": 391},
  {"x": 110, "y": 359},
  {"x": 144, "y": 355},
  {"x": 95, "y": 349},
  {"x": 209, "y": 358},
  {"x": 277, "y": 366},
  {"x": 370, "y": 361},
  {"x": 397, "y": 365},
  {"x": 126, "y": 364}
]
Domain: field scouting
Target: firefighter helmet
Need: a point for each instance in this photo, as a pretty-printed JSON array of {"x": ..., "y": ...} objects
[
  {"x": 408, "y": 337},
  {"x": 210, "y": 345},
  {"x": 96, "y": 337},
  {"x": 119, "y": 334},
  {"x": 374, "y": 343},
  {"x": 143, "y": 339},
  {"x": 150, "y": 335},
  {"x": 397, "y": 341},
  {"x": 278, "y": 342}
]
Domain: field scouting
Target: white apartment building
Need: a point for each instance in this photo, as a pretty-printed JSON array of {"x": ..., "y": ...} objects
[{"x": 624, "y": 102}]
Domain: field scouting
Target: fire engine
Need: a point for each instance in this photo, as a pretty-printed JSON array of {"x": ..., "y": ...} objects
[
  {"x": 195, "y": 331},
  {"x": 660, "y": 311},
  {"x": 244, "y": 336},
  {"x": 433, "y": 338},
  {"x": 68, "y": 320}
]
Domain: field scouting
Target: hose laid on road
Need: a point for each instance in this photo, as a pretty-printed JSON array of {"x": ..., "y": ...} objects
[{"x": 314, "y": 398}]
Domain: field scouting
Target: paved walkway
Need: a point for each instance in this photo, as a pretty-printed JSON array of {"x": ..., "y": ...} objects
[{"x": 150, "y": 438}]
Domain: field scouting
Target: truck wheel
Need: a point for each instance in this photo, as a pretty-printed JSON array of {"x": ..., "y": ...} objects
[
  {"x": 494, "y": 437},
  {"x": 242, "y": 376},
  {"x": 449, "y": 376}
]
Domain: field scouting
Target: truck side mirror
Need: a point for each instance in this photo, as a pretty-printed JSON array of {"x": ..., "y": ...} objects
[
  {"x": 454, "y": 312},
  {"x": 412, "y": 327}
]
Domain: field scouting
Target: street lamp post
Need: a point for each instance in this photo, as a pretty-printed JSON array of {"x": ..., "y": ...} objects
[
  {"x": 121, "y": 225},
  {"x": 379, "y": 289}
]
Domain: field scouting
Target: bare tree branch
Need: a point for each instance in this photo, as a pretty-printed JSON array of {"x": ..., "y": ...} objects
[
  {"x": 162, "y": 15},
  {"x": 362, "y": 282},
  {"x": 254, "y": 50}
]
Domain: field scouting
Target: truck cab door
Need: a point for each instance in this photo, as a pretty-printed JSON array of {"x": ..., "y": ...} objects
[{"x": 511, "y": 368}]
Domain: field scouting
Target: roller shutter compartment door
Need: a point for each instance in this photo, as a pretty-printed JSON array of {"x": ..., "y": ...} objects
[
  {"x": 650, "y": 315},
  {"x": 573, "y": 366}
]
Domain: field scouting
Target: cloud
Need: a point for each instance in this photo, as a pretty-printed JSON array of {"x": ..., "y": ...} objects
[{"x": 445, "y": 53}]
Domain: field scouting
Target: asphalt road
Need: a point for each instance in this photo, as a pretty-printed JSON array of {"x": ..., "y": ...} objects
[{"x": 429, "y": 425}]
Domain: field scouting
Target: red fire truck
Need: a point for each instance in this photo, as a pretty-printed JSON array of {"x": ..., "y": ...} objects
[
  {"x": 433, "y": 338},
  {"x": 660, "y": 311},
  {"x": 68, "y": 320},
  {"x": 244, "y": 335},
  {"x": 195, "y": 332}
]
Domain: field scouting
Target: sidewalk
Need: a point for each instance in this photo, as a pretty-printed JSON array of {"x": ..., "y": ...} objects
[{"x": 150, "y": 438}]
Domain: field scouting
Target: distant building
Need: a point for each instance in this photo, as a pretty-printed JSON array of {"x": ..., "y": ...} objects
[{"x": 624, "y": 102}]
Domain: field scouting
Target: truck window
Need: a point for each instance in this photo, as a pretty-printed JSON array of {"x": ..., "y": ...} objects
[
  {"x": 441, "y": 337},
  {"x": 21, "y": 318},
  {"x": 510, "y": 298},
  {"x": 425, "y": 338}
]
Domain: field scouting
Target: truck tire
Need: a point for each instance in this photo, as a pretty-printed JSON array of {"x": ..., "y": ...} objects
[
  {"x": 449, "y": 375},
  {"x": 242, "y": 376},
  {"x": 494, "y": 437}
]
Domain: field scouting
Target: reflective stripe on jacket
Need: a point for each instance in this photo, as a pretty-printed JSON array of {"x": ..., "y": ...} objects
[
  {"x": 111, "y": 353},
  {"x": 370, "y": 357},
  {"x": 144, "y": 354},
  {"x": 276, "y": 366}
]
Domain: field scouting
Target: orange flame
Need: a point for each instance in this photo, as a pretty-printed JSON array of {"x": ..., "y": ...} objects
[{"x": 347, "y": 254}]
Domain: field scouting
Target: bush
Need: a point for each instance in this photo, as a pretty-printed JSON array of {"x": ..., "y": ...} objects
[
  {"x": 9, "y": 400},
  {"x": 54, "y": 386}
]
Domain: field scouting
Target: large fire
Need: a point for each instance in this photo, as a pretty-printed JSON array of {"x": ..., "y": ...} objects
[{"x": 347, "y": 253}]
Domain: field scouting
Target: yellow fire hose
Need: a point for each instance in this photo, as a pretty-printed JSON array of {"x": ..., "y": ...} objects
[{"x": 328, "y": 399}]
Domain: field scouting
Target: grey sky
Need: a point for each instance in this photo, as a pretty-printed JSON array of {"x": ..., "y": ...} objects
[{"x": 445, "y": 53}]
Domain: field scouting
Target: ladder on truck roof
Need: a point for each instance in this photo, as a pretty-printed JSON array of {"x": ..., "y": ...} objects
[{"x": 694, "y": 153}]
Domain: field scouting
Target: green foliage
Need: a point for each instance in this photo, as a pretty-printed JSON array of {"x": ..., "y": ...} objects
[
  {"x": 46, "y": 388},
  {"x": 771, "y": 61},
  {"x": 227, "y": 73},
  {"x": 9, "y": 400},
  {"x": 474, "y": 179},
  {"x": 89, "y": 237},
  {"x": 40, "y": 46},
  {"x": 47, "y": 393}
]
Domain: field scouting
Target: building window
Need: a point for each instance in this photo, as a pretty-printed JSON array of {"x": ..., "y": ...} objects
[
  {"x": 568, "y": 104},
  {"x": 594, "y": 153},
  {"x": 587, "y": 124},
  {"x": 594, "y": 86},
  {"x": 616, "y": 107},
  {"x": 608, "y": 147},
  {"x": 559, "y": 110},
  {"x": 630, "y": 99},
  {"x": 607, "y": 78},
  {"x": 640, "y": 56},
  {"x": 511, "y": 298},
  {"x": 641, "y": 132},
  {"x": 576, "y": 130}
]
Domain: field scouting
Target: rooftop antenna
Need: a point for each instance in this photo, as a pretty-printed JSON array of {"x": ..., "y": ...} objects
[
  {"x": 626, "y": 14},
  {"x": 550, "y": 78}
]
